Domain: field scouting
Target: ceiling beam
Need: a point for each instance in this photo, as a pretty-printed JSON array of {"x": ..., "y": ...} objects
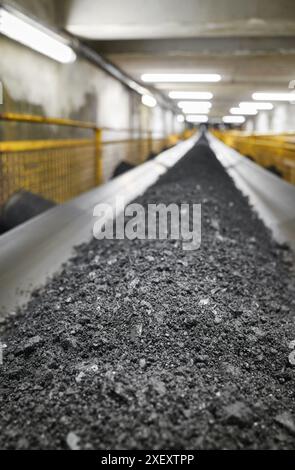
[{"x": 207, "y": 46}]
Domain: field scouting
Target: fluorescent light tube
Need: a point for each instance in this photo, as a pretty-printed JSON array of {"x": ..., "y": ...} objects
[
  {"x": 233, "y": 119},
  {"x": 196, "y": 118},
  {"x": 35, "y": 36},
  {"x": 149, "y": 101},
  {"x": 245, "y": 111},
  {"x": 196, "y": 104},
  {"x": 256, "y": 105},
  {"x": 273, "y": 96},
  {"x": 190, "y": 95},
  {"x": 180, "y": 77},
  {"x": 195, "y": 111}
]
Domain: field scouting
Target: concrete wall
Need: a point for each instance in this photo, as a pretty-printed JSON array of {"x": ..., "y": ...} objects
[
  {"x": 249, "y": 125},
  {"x": 280, "y": 119},
  {"x": 35, "y": 84},
  {"x": 262, "y": 122}
]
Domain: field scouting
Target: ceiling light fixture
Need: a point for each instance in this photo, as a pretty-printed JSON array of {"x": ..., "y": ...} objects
[
  {"x": 256, "y": 105},
  {"x": 180, "y": 77},
  {"x": 196, "y": 104},
  {"x": 29, "y": 33},
  {"x": 273, "y": 96},
  {"x": 197, "y": 118},
  {"x": 190, "y": 95},
  {"x": 245, "y": 111},
  {"x": 149, "y": 101},
  {"x": 195, "y": 111},
  {"x": 233, "y": 119}
]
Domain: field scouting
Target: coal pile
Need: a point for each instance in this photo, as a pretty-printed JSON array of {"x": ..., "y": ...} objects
[{"x": 140, "y": 344}]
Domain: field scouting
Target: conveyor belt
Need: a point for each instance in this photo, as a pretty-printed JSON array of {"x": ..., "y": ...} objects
[
  {"x": 139, "y": 344},
  {"x": 36, "y": 249}
]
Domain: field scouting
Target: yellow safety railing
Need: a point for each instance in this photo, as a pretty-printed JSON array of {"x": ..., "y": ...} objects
[
  {"x": 273, "y": 151},
  {"x": 62, "y": 168}
]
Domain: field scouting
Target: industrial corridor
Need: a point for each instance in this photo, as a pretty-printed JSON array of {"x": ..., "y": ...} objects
[{"x": 147, "y": 230}]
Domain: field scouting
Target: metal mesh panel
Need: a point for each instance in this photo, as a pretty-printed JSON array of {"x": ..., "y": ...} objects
[
  {"x": 61, "y": 166},
  {"x": 270, "y": 151},
  {"x": 132, "y": 151},
  {"x": 56, "y": 174},
  {"x": 63, "y": 173}
]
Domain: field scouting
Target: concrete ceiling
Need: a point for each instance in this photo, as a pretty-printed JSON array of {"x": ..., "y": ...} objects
[
  {"x": 148, "y": 19},
  {"x": 250, "y": 43},
  {"x": 241, "y": 75}
]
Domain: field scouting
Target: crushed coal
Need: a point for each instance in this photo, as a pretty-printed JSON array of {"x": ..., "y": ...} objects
[{"x": 140, "y": 344}]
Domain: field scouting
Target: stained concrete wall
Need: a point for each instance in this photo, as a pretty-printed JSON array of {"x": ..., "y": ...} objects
[
  {"x": 35, "y": 84},
  {"x": 38, "y": 85}
]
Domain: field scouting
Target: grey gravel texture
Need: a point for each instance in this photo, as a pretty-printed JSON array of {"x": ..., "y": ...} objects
[{"x": 139, "y": 344}]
